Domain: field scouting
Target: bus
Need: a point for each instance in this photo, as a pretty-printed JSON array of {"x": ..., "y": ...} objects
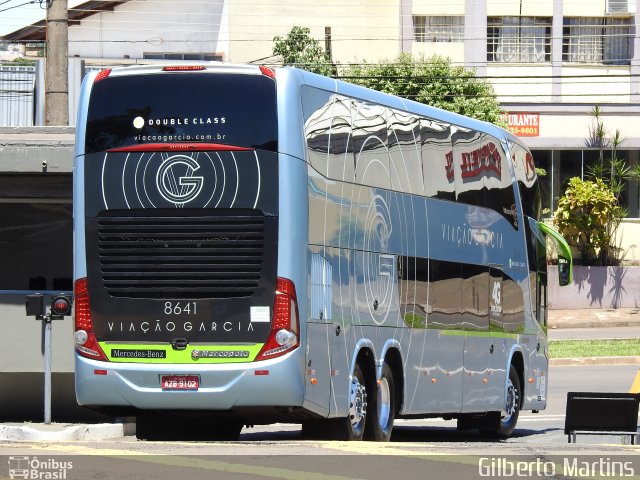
[{"x": 258, "y": 245}]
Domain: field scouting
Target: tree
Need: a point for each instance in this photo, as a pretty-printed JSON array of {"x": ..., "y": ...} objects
[
  {"x": 432, "y": 81},
  {"x": 299, "y": 49},
  {"x": 612, "y": 169}
]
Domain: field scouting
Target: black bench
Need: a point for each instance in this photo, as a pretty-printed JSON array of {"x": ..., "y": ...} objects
[{"x": 595, "y": 413}]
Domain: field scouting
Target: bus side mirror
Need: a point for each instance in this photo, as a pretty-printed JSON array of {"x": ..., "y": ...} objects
[{"x": 564, "y": 272}]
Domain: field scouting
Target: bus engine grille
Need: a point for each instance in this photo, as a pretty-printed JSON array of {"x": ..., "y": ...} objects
[{"x": 181, "y": 256}]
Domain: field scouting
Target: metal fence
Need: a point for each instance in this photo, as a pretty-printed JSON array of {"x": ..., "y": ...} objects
[
  {"x": 22, "y": 89},
  {"x": 17, "y": 96}
]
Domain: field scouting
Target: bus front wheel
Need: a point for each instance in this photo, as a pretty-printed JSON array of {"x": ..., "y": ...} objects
[{"x": 504, "y": 423}]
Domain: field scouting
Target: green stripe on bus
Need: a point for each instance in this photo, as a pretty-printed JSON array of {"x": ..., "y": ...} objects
[
  {"x": 193, "y": 354},
  {"x": 471, "y": 333}
]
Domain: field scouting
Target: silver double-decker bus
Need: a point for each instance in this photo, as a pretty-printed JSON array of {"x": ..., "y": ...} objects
[{"x": 257, "y": 245}]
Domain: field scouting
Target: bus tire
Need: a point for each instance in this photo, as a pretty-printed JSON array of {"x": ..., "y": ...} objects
[
  {"x": 383, "y": 408},
  {"x": 358, "y": 405},
  {"x": 504, "y": 423},
  {"x": 351, "y": 427}
]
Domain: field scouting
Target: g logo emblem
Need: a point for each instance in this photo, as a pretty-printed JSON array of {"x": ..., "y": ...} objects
[{"x": 176, "y": 182}]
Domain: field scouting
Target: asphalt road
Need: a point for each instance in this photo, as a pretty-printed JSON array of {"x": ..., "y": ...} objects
[
  {"x": 537, "y": 435},
  {"x": 430, "y": 448}
]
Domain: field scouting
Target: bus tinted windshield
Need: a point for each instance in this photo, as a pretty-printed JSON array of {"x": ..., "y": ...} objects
[{"x": 228, "y": 109}]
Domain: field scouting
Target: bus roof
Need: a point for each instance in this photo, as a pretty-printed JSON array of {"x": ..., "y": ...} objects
[
  {"x": 392, "y": 101},
  {"x": 303, "y": 77},
  {"x": 211, "y": 67}
]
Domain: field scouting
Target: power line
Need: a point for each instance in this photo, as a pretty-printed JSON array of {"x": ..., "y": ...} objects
[
  {"x": 5, "y": 1},
  {"x": 17, "y": 6}
]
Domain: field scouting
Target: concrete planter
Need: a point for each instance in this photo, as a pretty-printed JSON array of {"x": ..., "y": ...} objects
[{"x": 596, "y": 287}]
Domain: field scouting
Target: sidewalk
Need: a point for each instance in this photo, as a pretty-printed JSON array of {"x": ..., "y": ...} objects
[
  {"x": 595, "y": 318},
  {"x": 64, "y": 432}
]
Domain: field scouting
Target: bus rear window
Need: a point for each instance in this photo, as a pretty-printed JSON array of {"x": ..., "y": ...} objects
[{"x": 229, "y": 109}]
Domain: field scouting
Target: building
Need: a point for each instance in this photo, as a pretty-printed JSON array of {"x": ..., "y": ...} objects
[{"x": 550, "y": 61}]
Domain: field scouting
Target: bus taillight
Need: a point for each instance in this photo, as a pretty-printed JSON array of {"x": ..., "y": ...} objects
[
  {"x": 183, "y": 68},
  {"x": 83, "y": 336},
  {"x": 102, "y": 75},
  {"x": 285, "y": 325},
  {"x": 268, "y": 71}
]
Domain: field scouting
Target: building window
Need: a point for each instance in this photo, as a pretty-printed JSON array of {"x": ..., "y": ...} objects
[
  {"x": 438, "y": 29},
  {"x": 620, "y": 6},
  {"x": 519, "y": 39},
  {"x": 36, "y": 238},
  {"x": 562, "y": 165},
  {"x": 596, "y": 40},
  {"x": 206, "y": 57}
]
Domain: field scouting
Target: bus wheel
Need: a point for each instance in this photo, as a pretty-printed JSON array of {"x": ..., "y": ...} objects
[
  {"x": 351, "y": 427},
  {"x": 384, "y": 412},
  {"x": 357, "y": 417},
  {"x": 505, "y": 422}
]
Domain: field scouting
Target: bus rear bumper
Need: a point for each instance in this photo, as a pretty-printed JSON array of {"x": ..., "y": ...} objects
[{"x": 277, "y": 382}]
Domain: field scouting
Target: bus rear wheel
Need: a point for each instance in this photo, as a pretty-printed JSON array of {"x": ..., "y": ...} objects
[
  {"x": 504, "y": 423},
  {"x": 383, "y": 413}
]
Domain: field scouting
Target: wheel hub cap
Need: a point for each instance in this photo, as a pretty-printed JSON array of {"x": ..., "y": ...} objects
[{"x": 358, "y": 403}]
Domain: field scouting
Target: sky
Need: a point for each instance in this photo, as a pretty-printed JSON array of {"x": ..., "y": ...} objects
[
  {"x": 18, "y": 15},
  {"x": 15, "y": 14}
]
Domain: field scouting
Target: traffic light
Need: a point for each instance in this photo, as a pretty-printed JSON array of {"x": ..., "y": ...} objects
[{"x": 60, "y": 306}]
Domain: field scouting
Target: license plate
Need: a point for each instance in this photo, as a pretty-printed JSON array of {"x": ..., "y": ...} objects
[{"x": 180, "y": 382}]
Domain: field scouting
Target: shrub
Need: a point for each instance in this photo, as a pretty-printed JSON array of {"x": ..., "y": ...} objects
[{"x": 587, "y": 216}]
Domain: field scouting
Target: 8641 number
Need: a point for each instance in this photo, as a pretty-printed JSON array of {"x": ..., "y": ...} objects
[{"x": 180, "y": 308}]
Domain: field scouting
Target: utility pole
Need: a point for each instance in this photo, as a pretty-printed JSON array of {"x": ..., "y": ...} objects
[{"x": 57, "y": 64}]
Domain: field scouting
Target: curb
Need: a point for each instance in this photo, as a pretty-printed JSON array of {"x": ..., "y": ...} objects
[
  {"x": 65, "y": 432},
  {"x": 563, "y": 362}
]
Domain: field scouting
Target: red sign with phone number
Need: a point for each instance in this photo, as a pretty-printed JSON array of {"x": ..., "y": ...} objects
[{"x": 524, "y": 124}]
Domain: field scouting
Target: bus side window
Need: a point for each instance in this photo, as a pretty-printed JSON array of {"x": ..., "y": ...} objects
[
  {"x": 469, "y": 169},
  {"x": 437, "y": 160},
  {"x": 404, "y": 152},
  {"x": 328, "y": 134},
  {"x": 413, "y": 278},
  {"x": 499, "y": 193},
  {"x": 370, "y": 145},
  {"x": 340, "y": 151},
  {"x": 444, "y": 294}
]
